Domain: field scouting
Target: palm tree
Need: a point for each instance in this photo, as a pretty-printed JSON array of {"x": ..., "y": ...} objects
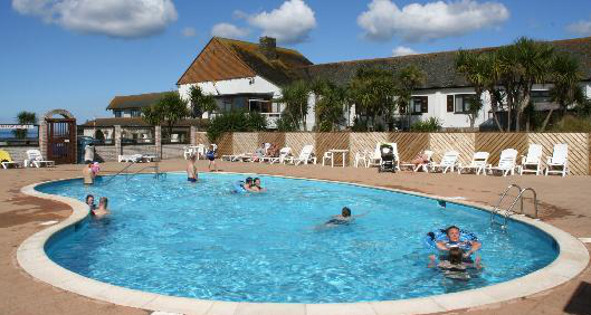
[
  {"x": 473, "y": 66},
  {"x": 295, "y": 97},
  {"x": 492, "y": 68},
  {"x": 171, "y": 108},
  {"x": 24, "y": 118},
  {"x": 534, "y": 59},
  {"x": 330, "y": 102},
  {"x": 372, "y": 91},
  {"x": 408, "y": 79},
  {"x": 566, "y": 89},
  {"x": 201, "y": 103}
]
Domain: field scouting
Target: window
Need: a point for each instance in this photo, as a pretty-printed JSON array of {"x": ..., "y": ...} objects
[
  {"x": 117, "y": 113},
  {"x": 227, "y": 105},
  {"x": 462, "y": 103},
  {"x": 540, "y": 97},
  {"x": 136, "y": 113},
  {"x": 450, "y": 103},
  {"x": 260, "y": 106},
  {"x": 419, "y": 104}
]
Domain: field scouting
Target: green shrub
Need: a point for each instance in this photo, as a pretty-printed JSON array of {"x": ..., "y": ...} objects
[
  {"x": 235, "y": 121},
  {"x": 430, "y": 125},
  {"x": 572, "y": 124}
]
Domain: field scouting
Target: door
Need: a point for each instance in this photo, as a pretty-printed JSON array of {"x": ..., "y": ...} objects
[{"x": 61, "y": 141}]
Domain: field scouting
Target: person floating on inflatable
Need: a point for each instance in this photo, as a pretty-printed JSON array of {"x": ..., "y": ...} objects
[
  {"x": 248, "y": 185},
  {"x": 453, "y": 237}
]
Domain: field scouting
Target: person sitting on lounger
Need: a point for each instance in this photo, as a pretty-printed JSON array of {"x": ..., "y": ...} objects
[
  {"x": 259, "y": 153},
  {"x": 102, "y": 209},
  {"x": 192, "y": 169},
  {"x": 420, "y": 159}
]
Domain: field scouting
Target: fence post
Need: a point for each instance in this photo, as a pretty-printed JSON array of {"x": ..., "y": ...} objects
[
  {"x": 117, "y": 138},
  {"x": 193, "y": 135},
  {"x": 158, "y": 141},
  {"x": 43, "y": 138}
]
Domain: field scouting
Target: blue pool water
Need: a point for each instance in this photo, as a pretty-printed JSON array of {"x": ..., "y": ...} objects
[{"x": 199, "y": 240}]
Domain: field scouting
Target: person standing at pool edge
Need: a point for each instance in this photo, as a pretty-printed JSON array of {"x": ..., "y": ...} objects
[
  {"x": 192, "y": 169},
  {"x": 211, "y": 157}
]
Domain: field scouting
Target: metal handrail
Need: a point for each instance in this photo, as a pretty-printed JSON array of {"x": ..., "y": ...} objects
[
  {"x": 510, "y": 210},
  {"x": 118, "y": 173}
]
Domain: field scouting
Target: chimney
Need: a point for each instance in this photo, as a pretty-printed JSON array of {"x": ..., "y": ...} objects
[{"x": 268, "y": 47}]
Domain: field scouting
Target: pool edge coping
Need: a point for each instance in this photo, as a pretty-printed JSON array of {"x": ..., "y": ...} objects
[{"x": 572, "y": 259}]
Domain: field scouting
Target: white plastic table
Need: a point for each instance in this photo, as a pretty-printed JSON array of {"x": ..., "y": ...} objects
[{"x": 335, "y": 151}]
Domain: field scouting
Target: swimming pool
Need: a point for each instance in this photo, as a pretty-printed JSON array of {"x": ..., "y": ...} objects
[{"x": 170, "y": 237}]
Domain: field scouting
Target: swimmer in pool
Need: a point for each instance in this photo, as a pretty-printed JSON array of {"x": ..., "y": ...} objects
[
  {"x": 344, "y": 218},
  {"x": 192, "y": 169},
  {"x": 454, "y": 239},
  {"x": 256, "y": 185}
]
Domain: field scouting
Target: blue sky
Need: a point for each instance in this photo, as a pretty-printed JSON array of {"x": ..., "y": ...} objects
[{"x": 79, "y": 54}]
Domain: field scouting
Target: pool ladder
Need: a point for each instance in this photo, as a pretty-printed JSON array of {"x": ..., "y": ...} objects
[
  {"x": 500, "y": 216},
  {"x": 156, "y": 167}
]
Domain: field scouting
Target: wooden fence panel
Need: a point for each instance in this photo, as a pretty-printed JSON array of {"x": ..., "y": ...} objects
[
  {"x": 277, "y": 138},
  {"x": 494, "y": 143},
  {"x": 245, "y": 142},
  {"x": 201, "y": 138},
  {"x": 578, "y": 149},
  {"x": 332, "y": 140},
  {"x": 365, "y": 141},
  {"x": 225, "y": 144},
  {"x": 464, "y": 143},
  {"x": 410, "y": 144},
  {"x": 297, "y": 140}
]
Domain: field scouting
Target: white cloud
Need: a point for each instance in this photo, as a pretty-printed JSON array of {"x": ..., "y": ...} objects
[
  {"x": 189, "y": 32},
  {"x": 403, "y": 51},
  {"x": 416, "y": 22},
  {"x": 581, "y": 28},
  {"x": 229, "y": 30},
  {"x": 290, "y": 23},
  {"x": 115, "y": 18}
]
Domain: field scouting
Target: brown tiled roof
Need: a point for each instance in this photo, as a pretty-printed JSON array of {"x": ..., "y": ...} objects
[
  {"x": 134, "y": 101},
  {"x": 439, "y": 66},
  {"x": 224, "y": 58},
  {"x": 135, "y": 121}
]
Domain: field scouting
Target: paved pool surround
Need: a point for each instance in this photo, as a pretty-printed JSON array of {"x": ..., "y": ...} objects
[{"x": 572, "y": 260}]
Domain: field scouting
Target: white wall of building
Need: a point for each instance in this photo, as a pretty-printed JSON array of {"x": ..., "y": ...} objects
[
  {"x": 437, "y": 100},
  {"x": 234, "y": 86}
]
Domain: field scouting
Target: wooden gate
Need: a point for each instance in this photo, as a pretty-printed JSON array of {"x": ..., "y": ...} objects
[{"x": 61, "y": 140}]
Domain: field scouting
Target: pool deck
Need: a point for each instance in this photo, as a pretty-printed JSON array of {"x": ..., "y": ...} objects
[{"x": 564, "y": 203}]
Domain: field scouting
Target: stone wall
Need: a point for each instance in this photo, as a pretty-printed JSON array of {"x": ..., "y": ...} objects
[
  {"x": 172, "y": 151},
  {"x": 105, "y": 153}
]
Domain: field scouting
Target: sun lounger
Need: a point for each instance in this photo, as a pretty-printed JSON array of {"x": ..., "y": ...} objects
[
  {"x": 478, "y": 164},
  {"x": 6, "y": 160},
  {"x": 421, "y": 166},
  {"x": 506, "y": 162},
  {"x": 558, "y": 163},
  {"x": 306, "y": 156},
  {"x": 131, "y": 158},
  {"x": 34, "y": 158},
  {"x": 449, "y": 162},
  {"x": 532, "y": 162},
  {"x": 284, "y": 153}
]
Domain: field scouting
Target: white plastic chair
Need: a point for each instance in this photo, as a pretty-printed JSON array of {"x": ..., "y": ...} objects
[
  {"x": 558, "y": 163},
  {"x": 478, "y": 163},
  {"x": 306, "y": 156},
  {"x": 361, "y": 157},
  {"x": 34, "y": 158},
  {"x": 375, "y": 158},
  {"x": 328, "y": 156},
  {"x": 284, "y": 154},
  {"x": 506, "y": 162},
  {"x": 532, "y": 162},
  {"x": 449, "y": 161}
]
